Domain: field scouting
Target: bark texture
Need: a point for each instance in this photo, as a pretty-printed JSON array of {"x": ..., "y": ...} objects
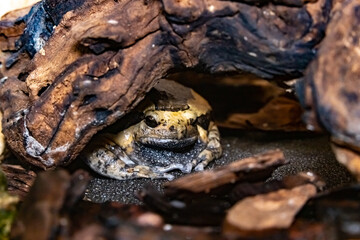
[
  {"x": 330, "y": 88},
  {"x": 332, "y": 79},
  {"x": 81, "y": 65}
]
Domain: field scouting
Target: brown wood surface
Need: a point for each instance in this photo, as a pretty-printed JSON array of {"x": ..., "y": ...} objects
[{"x": 240, "y": 170}]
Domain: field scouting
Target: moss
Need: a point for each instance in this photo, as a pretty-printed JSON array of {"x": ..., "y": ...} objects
[
  {"x": 6, "y": 219},
  {"x": 8, "y": 208}
]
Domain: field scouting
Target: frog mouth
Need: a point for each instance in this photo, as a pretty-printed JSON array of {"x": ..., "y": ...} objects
[{"x": 168, "y": 143}]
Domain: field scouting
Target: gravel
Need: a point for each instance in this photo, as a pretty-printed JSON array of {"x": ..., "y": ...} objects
[{"x": 305, "y": 151}]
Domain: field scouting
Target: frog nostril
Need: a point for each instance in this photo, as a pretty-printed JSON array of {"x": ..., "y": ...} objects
[{"x": 151, "y": 122}]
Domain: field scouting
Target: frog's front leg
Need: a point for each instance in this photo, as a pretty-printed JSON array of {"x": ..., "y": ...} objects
[
  {"x": 212, "y": 150},
  {"x": 109, "y": 158}
]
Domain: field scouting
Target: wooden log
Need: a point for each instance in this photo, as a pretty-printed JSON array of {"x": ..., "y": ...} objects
[
  {"x": 40, "y": 213},
  {"x": 248, "y": 169},
  {"x": 53, "y": 209},
  {"x": 93, "y": 61},
  {"x": 329, "y": 89}
]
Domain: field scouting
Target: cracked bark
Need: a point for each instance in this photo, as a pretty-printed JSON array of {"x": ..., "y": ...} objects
[{"x": 103, "y": 56}]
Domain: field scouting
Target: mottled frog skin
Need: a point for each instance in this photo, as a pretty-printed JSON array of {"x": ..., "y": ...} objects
[{"x": 170, "y": 129}]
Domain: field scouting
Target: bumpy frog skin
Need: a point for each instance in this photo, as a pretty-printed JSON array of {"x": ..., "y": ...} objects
[{"x": 170, "y": 129}]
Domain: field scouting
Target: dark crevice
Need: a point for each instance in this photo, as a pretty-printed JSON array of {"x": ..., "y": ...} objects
[
  {"x": 43, "y": 89},
  {"x": 25, "y": 93},
  {"x": 140, "y": 38},
  {"x": 56, "y": 130},
  {"x": 22, "y": 76},
  {"x": 88, "y": 99},
  {"x": 100, "y": 45},
  {"x": 101, "y": 114}
]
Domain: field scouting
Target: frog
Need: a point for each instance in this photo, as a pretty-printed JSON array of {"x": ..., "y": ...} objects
[{"x": 170, "y": 129}]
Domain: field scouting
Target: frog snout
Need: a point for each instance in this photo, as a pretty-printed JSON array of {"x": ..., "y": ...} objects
[
  {"x": 169, "y": 137},
  {"x": 180, "y": 132},
  {"x": 168, "y": 143}
]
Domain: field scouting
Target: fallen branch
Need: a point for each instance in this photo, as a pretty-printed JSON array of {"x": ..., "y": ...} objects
[{"x": 249, "y": 169}]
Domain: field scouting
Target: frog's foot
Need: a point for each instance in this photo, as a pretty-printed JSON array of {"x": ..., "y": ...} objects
[
  {"x": 212, "y": 151},
  {"x": 111, "y": 161},
  {"x": 176, "y": 166}
]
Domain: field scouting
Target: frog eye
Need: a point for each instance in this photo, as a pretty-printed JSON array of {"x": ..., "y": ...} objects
[{"x": 151, "y": 122}]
